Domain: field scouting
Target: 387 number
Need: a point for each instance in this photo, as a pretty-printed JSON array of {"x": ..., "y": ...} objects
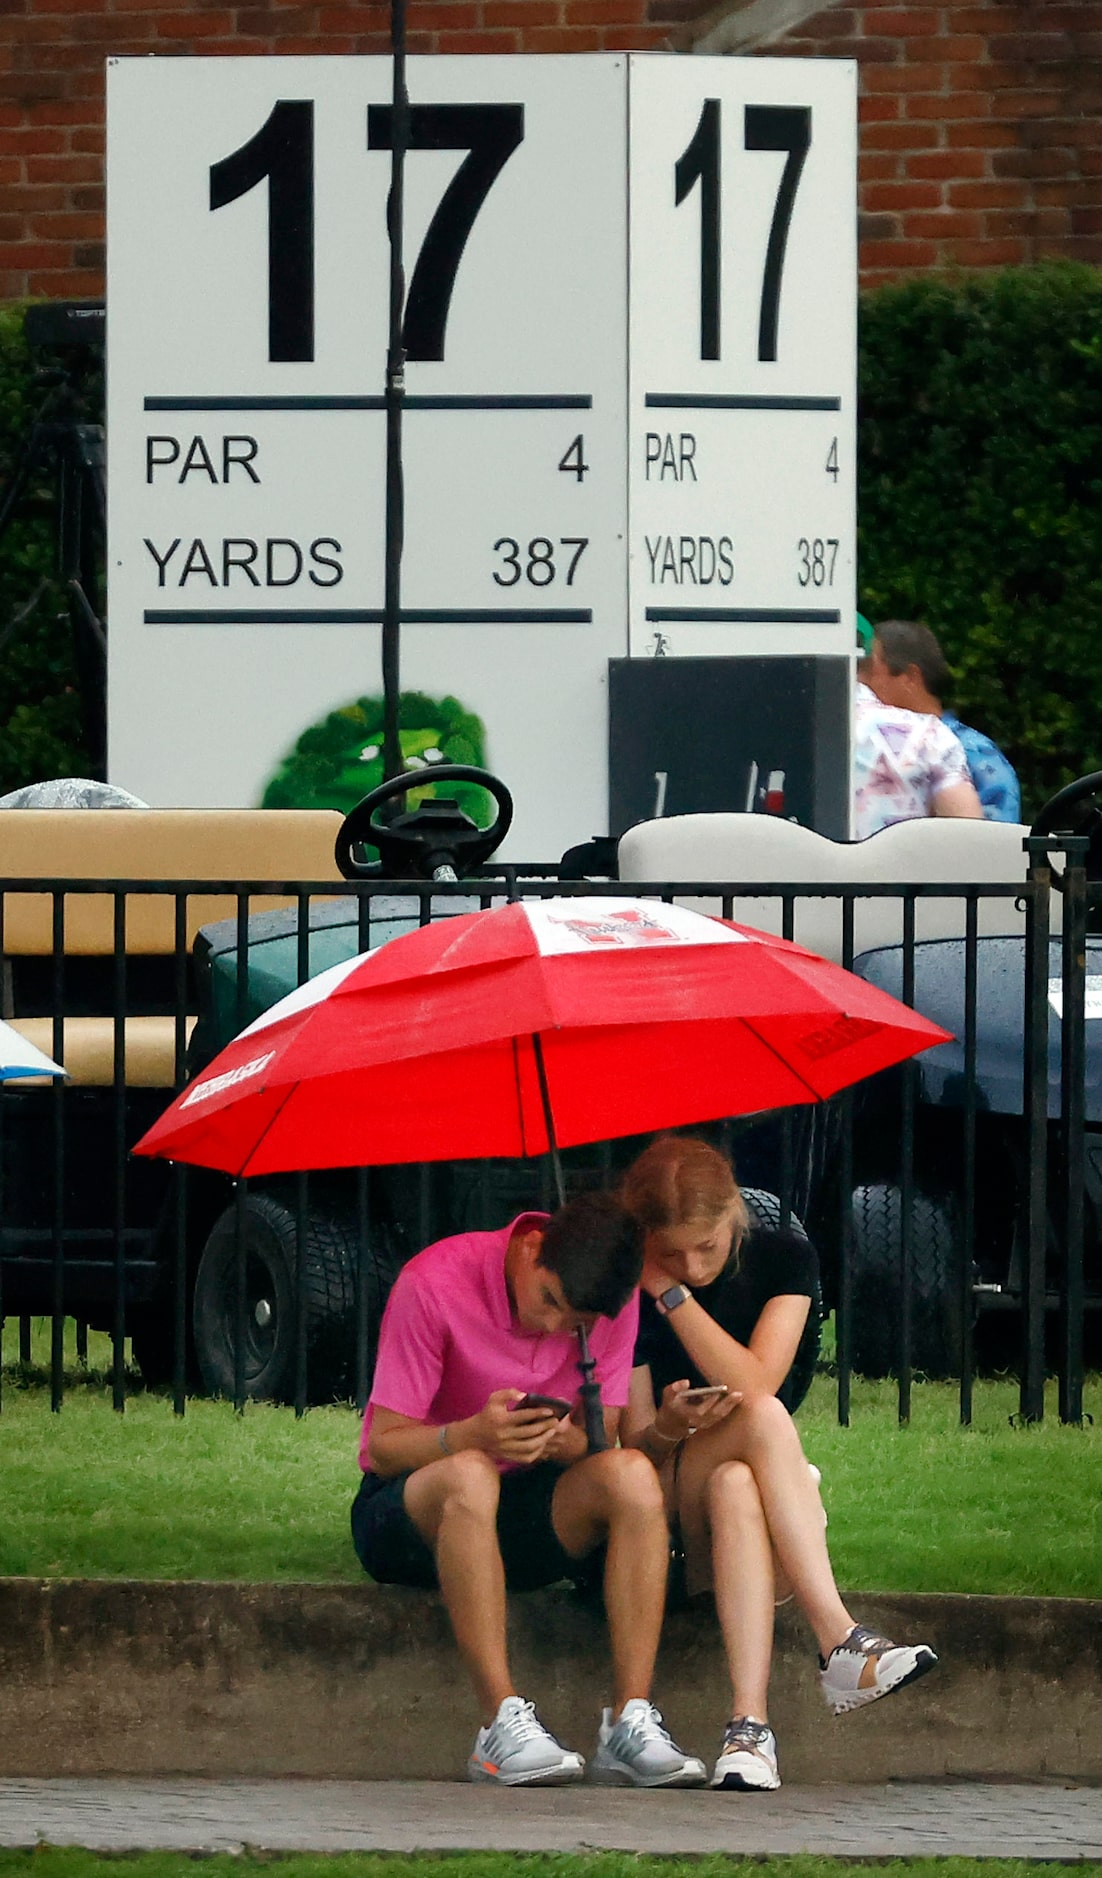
[
  {"x": 536, "y": 563},
  {"x": 816, "y": 560}
]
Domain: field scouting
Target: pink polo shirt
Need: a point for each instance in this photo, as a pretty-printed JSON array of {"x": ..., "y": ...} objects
[{"x": 449, "y": 1338}]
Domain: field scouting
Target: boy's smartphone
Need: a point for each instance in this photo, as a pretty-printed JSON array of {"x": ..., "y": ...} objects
[
  {"x": 555, "y": 1402},
  {"x": 707, "y": 1393}
]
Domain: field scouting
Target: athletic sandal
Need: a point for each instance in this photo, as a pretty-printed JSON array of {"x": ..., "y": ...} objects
[
  {"x": 748, "y": 1758},
  {"x": 867, "y": 1666},
  {"x": 516, "y": 1750},
  {"x": 638, "y": 1751}
]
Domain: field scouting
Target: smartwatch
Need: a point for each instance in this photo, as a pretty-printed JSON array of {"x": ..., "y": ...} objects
[{"x": 668, "y": 1301}]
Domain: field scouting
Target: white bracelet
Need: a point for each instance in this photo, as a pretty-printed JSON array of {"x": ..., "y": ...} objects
[{"x": 442, "y": 1435}]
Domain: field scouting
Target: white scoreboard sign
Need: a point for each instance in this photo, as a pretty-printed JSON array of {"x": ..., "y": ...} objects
[{"x": 629, "y": 418}]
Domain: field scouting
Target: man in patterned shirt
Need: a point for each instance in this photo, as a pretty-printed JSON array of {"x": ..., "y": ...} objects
[
  {"x": 906, "y": 765},
  {"x": 906, "y": 668}
]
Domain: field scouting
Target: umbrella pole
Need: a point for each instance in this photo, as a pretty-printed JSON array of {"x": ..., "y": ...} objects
[{"x": 591, "y": 1389}]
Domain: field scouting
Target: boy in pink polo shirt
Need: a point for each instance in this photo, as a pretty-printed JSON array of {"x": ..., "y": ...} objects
[{"x": 464, "y": 1489}]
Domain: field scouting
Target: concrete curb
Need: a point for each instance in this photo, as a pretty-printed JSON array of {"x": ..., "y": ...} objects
[{"x": 358, "y": 1682}]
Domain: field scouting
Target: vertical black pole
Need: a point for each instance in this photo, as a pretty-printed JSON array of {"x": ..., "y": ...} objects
[
  {"x": 1035, "y": 1112},
  {"x": 395, "y": 397},
  {"x": 591, "y": 1388},
  {"x": 1073, "y": 1069}
]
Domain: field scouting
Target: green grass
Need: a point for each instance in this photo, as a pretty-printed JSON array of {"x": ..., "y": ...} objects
[
  {"x": 262, "y": 1497},
  {"x": 71, "y": 1862}
]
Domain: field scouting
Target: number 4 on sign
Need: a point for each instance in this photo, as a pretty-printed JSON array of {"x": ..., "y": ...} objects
[{"x": 573, "y": 459}]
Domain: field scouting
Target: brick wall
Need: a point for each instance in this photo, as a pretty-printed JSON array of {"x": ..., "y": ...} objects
[
  {"x": 981, "y": 129},
  {"x": 981, "y": 133}
]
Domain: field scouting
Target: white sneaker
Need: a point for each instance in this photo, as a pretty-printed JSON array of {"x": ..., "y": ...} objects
[
  {"x": 516, "y": 1750},
  {"x": 748, "y": 1758},
  {"x": 637, "y": 1751},
  {"x": 866, "y": 1667}
]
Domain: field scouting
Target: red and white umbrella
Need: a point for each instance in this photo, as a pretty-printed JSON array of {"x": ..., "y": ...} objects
[{"x": 633, "y": 1015}]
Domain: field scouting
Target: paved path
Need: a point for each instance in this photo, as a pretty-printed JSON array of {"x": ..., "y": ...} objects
[{"x": 1053, "y": 1821}]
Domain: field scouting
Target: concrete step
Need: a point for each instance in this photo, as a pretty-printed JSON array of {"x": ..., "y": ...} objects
[{"x": 363, "y": 1682}]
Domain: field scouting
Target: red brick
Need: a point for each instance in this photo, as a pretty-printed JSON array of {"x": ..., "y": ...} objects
[
  {"x": 872, "y": 168},
  {"x": 879, "y": 110},
  {"x": 500, "y": 41},
  {"x": 946, "y": 165},
  {"x": 35, "y": 142},
  {"x": 518, "y": 13},
  {"x": 59, "y": 113},
  {"x": 1005, "y": 253},
  {"x": 198, "y": 26},
  {"x": 901, "y": 22},
  {"x": 630, "y": 39},
  {"x": 64, "y": 284},
  {"x": 899, "y": 136},
  {"x": 985, "y": 195},
  {"x": 923, "y": 226},
  {"x": 839, "y": 23},
  {"x": 49, "y": 227},
  {"x": 1029, "y": 222},
  {"x": 902, "y": 195},
  {"x": 1086, "y": 221},
  {"x": 31, "y": 254},
  {"x": 568, "y": 38},
  {"x": 1032, "y": 48},
  {"x": 951, "y": 105},
  {"x": 947, "y": 49},
  {"x": 977, "y": 136},
  {"x": 908, "y": 78},
  {"x": 599, "y": 13},
  {"x": 877, "y": 227},
  {"x": 1035, "y": 163},
  {"x": 66, "y": 169},
  {"x": 898, "y": 254}
]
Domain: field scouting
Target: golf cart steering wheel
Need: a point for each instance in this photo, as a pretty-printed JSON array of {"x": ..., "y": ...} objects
[
  {"x": 1076, "y": 810},
  {"x": 436, "y": 841}
]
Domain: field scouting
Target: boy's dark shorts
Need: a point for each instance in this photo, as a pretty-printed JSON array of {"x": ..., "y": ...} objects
[{"x": 392, "y": 1551}]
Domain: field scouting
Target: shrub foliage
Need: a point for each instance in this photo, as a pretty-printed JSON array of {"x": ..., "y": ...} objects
[
  {"x": 41, "y": 717},
  {"x": 979, "y": 503},
  {"x": 980, "y": 498}
]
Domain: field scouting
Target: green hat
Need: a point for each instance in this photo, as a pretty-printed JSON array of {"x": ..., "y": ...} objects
[{"x": 864, "y": 636}]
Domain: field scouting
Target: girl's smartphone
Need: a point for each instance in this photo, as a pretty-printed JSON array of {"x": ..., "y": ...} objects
[{"x": 707, "y": 1393}]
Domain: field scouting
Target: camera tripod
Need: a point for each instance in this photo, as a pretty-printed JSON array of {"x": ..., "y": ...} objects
[{"x": 60, "y": 441}]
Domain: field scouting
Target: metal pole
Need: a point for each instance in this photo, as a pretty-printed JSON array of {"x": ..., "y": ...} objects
[
  {"x": 591, "y": 1388},
  {"x": 395, "y": 398},
  {"x": 1035, "y": 1114}
]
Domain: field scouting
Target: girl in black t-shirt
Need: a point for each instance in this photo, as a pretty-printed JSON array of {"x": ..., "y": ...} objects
[{"x": 742, "y": 1499}]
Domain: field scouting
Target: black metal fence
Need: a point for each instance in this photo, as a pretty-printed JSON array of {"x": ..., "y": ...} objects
[{"x": 956, "y": 1202}]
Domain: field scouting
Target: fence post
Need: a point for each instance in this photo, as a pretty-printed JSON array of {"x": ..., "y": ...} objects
[
  {"x": 1035, "y": 1115},
  {"x": 1073, "y": 1071}
]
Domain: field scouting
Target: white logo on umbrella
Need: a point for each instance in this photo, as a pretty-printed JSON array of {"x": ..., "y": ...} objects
[{"x": 227, "y": 1080}]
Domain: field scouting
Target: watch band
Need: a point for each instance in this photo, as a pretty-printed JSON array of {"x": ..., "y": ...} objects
[{"x": 669, "y": 1300}]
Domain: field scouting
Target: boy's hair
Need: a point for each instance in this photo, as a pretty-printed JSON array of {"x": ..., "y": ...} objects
[
  {"x": 595, "y": 1250},
  {"x": 906, "y": 642}
]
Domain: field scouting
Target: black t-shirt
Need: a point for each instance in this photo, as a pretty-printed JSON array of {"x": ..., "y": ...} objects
[{"x": 772, "y": 1264}]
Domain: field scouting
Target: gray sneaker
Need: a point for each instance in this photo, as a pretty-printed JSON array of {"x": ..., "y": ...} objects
[
  {"x": 516, "y": 1750},
  {"x": 638, "y": 1751}
]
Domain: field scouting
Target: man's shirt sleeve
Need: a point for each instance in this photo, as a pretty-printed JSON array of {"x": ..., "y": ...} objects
[
  {"x": 948, "y": 759},
  {"x": 411, "y": 1351}
]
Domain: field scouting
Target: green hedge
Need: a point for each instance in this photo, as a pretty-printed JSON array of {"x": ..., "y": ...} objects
[
  {"x": 980, "y": 504},
  {"x": 980, "y": 498},
  {"x": 41, "y": 728}
]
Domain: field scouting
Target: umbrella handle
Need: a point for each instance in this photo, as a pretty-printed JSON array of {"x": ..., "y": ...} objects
[{"x": 591, "y": 1397}]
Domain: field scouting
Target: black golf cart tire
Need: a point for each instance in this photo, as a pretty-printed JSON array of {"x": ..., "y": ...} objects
[
  {"x": 935, "y": 1283},
  {"x": 765, "y": 1208},
  {"x": 331, "y": 1255}
]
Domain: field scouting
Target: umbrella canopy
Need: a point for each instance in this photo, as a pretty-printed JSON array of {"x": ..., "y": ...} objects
[
  {"x": 646, "y": 1016},
  {"x": 20, "y": 1058}
]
